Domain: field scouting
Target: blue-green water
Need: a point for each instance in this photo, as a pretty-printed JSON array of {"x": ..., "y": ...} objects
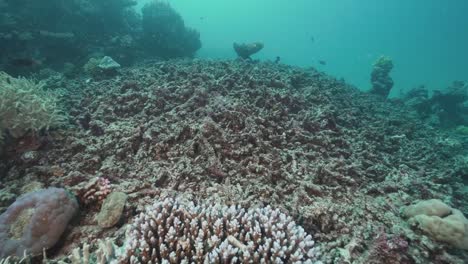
[
  {"x": 115, "y": 119},
  {"x": 427, "y": 39}
]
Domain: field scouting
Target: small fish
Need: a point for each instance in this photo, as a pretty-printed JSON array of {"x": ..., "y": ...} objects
[
  {"x": 312, "y": 39},
  {"x": 277, "y": 60},
  {"x": 322, "y": 62},
  {"x": 24, "y": 62}
]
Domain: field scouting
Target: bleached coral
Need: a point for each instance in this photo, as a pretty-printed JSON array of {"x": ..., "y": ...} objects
[
  {"x": 106, "y": 253},
  {"x": 171, "y": 231},
  {"x": 26, "y": 106}
]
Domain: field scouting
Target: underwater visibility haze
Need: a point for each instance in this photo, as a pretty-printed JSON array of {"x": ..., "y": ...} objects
[
  {"x": 427, "y": 39},
  {"x": 208, "y": 131}
]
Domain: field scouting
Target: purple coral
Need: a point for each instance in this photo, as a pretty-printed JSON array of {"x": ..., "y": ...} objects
[
  {"x": 95, "y": 191},
  {"x": 35, "y": 221},
  {"x": 171, "y": 231},
  {"x": 391, "y": 248}
]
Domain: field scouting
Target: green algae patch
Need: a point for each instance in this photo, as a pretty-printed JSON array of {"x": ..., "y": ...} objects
[
  {"x": 462, "y": 130},
  {"x": 112, "y": 209}
]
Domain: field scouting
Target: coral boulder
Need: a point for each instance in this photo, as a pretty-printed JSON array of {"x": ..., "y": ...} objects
[
  {"x": 381, "y": 81},
  {"x": 245, "y": 50},
  {"x": 440, "y": 222},
  {"x": 35, "y": 221}
]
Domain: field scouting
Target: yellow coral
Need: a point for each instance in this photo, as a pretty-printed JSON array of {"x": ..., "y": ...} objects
[{"x": 440, "y": 222}]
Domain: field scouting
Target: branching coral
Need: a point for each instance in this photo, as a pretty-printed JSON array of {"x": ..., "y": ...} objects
[
  {"x": 171, "y": 231},
  {"x": 94, "y": 191},
  {"x": 106, "y": 253},
  {"x": 25, "y": 106}
]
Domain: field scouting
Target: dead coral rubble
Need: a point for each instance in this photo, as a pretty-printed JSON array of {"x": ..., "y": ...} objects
[{"x": 338, "y": 160}]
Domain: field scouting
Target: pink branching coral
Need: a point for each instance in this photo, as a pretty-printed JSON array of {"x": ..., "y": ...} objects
[
  {"x": 171, "y": 231},
  {"x": 95, "y": 191}
]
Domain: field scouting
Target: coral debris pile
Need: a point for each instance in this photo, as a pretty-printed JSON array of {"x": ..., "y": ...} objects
[{"x": 339, "y": 161}]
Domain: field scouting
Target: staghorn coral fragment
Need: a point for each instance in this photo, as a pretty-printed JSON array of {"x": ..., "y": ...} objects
[{"x": 106, "y": 253}]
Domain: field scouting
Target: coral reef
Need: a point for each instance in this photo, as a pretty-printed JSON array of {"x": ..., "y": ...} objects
[
  {"x": 245, "y": 50},
  {"x": 173, "y": 232},
  {"x": 446, "y": 108},
  {"x": 113, "y": 27},
  {"x": 381, "y": 81},
  {"x": 451, "y": 105},
  {"x": 335, "y": 159},
  {"x": 165, "y": 34}
]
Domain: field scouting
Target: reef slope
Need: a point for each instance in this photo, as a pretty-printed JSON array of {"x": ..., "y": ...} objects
[{"x": 340, "y": 161}]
